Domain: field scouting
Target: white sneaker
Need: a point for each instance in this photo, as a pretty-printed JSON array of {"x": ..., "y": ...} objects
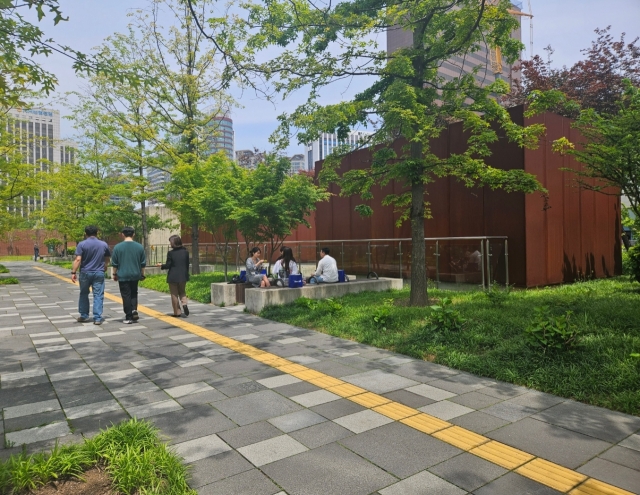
[{"x": 127, "y": 322}]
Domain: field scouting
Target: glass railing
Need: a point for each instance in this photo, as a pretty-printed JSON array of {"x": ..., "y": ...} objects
[{"x": 480, "y": 261}]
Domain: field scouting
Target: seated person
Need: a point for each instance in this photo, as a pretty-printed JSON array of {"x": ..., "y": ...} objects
[
  {"x": 473, "y": 261},
  {"x": 327, "y": 271},
  {"x": 286, "y": 266},
  {"x": 254, "y": 266}
]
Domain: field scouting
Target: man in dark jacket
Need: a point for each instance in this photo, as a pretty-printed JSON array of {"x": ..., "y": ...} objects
[{"x": 128, "y": 261}]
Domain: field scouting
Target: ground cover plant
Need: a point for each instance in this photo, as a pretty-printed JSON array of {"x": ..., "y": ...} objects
[
  {"x": 131, "y": 452},
  {"x": 4, "y": 269},
  {"x": 198, "y": 286},
  {"x": 580, "y": 343},
  {"x": 62, "y": 264},
  {"x": 9, "y": 281},
  {"x": 17, "y": 258}
]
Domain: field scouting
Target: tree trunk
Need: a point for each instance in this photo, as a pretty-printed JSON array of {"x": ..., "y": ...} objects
[
  {"x": 226, "y": 264},
  {"x": 143, "y": 208},
  {"x": 418, "y": 295},
  {"x": 64, "y": 237},
  {"x": 195, "y": 249}
]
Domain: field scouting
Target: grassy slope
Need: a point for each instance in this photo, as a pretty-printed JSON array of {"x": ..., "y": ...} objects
[
  {"x": 600, "y": 371},
  {"x": 198, "y": 287}
]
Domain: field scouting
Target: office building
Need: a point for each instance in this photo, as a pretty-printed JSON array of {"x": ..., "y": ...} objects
[
  {"x": 221, "y": 136},
  {"x": 157, "y": 179},
  {"x": 37, "y": 130},
  {"x": 249, "y": 159},
  {"x": 323, "y": 146}
]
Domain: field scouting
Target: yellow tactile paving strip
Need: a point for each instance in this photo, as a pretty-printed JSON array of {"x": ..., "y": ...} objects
[{"x": 545, "y": 472}]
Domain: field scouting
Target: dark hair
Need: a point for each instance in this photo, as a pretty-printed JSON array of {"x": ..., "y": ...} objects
[
  {"x": 325, "y": 250},
  {"x": 91, "y": 230},
  {"x": 128, "y": 231},
  {"x": 255, "y": 250},
  {"x": 287, "y": 257},
  {"x": 175, "y": 241}
]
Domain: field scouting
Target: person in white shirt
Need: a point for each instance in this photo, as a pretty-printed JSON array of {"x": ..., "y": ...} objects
[
  {"x": 286, "y": 266},
  {"x": 327, "y": 271}
]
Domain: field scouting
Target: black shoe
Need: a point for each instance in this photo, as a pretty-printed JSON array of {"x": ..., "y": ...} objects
[
  {"x": 135, "y": 316},
  {"x": 185, "y": 308},
  {"x": 176, "y": 316},
  {"x": 81, "y": 319}
]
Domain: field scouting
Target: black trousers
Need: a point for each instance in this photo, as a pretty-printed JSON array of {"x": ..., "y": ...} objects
[{"x": 129, "y": 293}]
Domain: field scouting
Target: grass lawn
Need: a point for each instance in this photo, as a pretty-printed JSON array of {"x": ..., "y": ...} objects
[
  {"x": 62, "y": 264},
  {"x": 599, "y": 370},
  {"x": 16, "y": 258},
  {"x": 198, "y": 287}
]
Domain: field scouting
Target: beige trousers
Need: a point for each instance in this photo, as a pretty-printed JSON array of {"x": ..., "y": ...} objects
[{"x": 178, "y": 295}]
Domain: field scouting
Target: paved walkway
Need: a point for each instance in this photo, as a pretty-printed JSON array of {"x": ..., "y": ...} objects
[{"x": 264, "y": 408}]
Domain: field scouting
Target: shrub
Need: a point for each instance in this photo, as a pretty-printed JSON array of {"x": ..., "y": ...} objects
[
  {"x": 382, "y": 314},
  {"x": 634, "y": 263},
  {"x": 4, "y": 269},
  {"x": 498, "y": 296},
  {"x": 9, "y": 281},
  {"x": 71, "y": 251},
  {"x": 552, "y": 332},
  {"x": 52, "y": 242},
  {"x": 444, "y": 317}
]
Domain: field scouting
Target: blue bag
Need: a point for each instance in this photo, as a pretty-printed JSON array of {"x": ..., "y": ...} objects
[
  {"x": 295, "y": 281},
  {"x": 341, "y": 276}
]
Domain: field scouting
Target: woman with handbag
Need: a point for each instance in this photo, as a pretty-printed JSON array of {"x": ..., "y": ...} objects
[{"x": 178, "y": 276}]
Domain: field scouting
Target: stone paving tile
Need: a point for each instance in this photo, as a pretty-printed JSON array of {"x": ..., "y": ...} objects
[
  {"x": 631, "y": 442},
  {"x": 615, "y": 474},
  {"x": 430, "y": 392},
  {"x": 479, "y": 422},
  {"x": 38, "y": 434},
  {"x": 337, "y": 409},
  {"x": 32, "y": 408},
  {"x": 408, "y": 398},
  {"x": 191, "y": 388},
  {"x": 279, "y": 381},
  {"x": 363, "y": 421},
  {"x": 272, "y": 450},
  {"x": 321, "y": 434},
  {"x": 423, "y": 483},
  {"x": 201, "y": 398},
  {"x": 625, "y": 457},
  {"x": 468, "y": 471},
  {"x": 193, "y": 422},
  {"x": 379, "y": 382},
  {"x": 328, "y": 470},
  {"x": 510, "y": 411},
  {"x": 250, "y": 434},
  {"x": 512, "y": 483},
  {"x": 33, "y": 420},
  {"x": 239, "y": 389},
  {"x": 25, "y": 395},
  {"x": 445, "y": 410},
  {"x": 297, "y": 420},
  {"x": 475, "y": 400},
  {"x": 92, "y": 409},
  {"x": 398, "y": 450},
  {"x": 68, "y": 375},
  {"x": 536, "y": 400},
  {"x": 153, "y": 409},
  {"x": 462, "y": 383},
  {"x": 200, "y": 448},
  {"x": 255, "y": 407},
  {"x": 247, "y": 483},
  {"x": 567, "y": 448},
  {"x": 91, "y": 425},
  {"x": 594, "y": 421},
  {"x": 217, "y": 467},
  {"x": 318, "y": 397},
  {"x": 135, "y": 389}
]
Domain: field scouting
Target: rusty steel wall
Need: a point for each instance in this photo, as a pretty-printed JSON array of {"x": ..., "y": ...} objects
[{"x": 578, "y": 234}]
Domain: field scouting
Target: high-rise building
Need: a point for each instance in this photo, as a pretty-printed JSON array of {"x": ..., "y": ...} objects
[
  {"x": 157, "y": 179},
  {"x": 222, "y": 138},
  {"x": 37, "y": 130},
  {"x": 323, "y": 146},
  {"x": 452, "y": 68}
]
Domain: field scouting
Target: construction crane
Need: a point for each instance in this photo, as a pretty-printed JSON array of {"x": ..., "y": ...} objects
[{"x": 495, "y": 54}]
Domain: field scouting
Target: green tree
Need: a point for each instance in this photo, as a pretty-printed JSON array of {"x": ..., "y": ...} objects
[
  {"x": 407, "y": 100},
  {"x": 274, "y": 203},
  {"x": 186, "y": 95},
  {"x": 610, "y": 149}
]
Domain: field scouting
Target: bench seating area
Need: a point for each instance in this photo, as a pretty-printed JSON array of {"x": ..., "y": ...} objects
[{"x": 257, "y": 299}]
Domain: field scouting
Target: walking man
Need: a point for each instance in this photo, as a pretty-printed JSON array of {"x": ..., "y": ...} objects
[
  {"x": 36, "y": 252},
  {"x": 128, "y": 262},
  {"x": 92, "y": 258}
]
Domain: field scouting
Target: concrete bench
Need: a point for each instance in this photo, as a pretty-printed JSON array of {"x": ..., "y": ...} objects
[{"x": 258, "y": 299}]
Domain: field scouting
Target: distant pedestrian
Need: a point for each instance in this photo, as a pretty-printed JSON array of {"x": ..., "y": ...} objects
[
  {"x": 36, "y": 252},
  {"x": 92, "y": 258},
  {"x": 128, "y": 262},
  {"x": 178, "y": 276}
]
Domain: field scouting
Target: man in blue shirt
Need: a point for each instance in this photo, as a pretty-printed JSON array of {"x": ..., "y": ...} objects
[{"x": 92, "y": 257}]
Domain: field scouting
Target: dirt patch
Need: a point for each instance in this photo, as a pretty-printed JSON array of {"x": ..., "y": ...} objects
[{"x": 96, "y": 482}]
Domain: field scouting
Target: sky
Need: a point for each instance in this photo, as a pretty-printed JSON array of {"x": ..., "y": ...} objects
[{"x": 566, "y": 25}]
